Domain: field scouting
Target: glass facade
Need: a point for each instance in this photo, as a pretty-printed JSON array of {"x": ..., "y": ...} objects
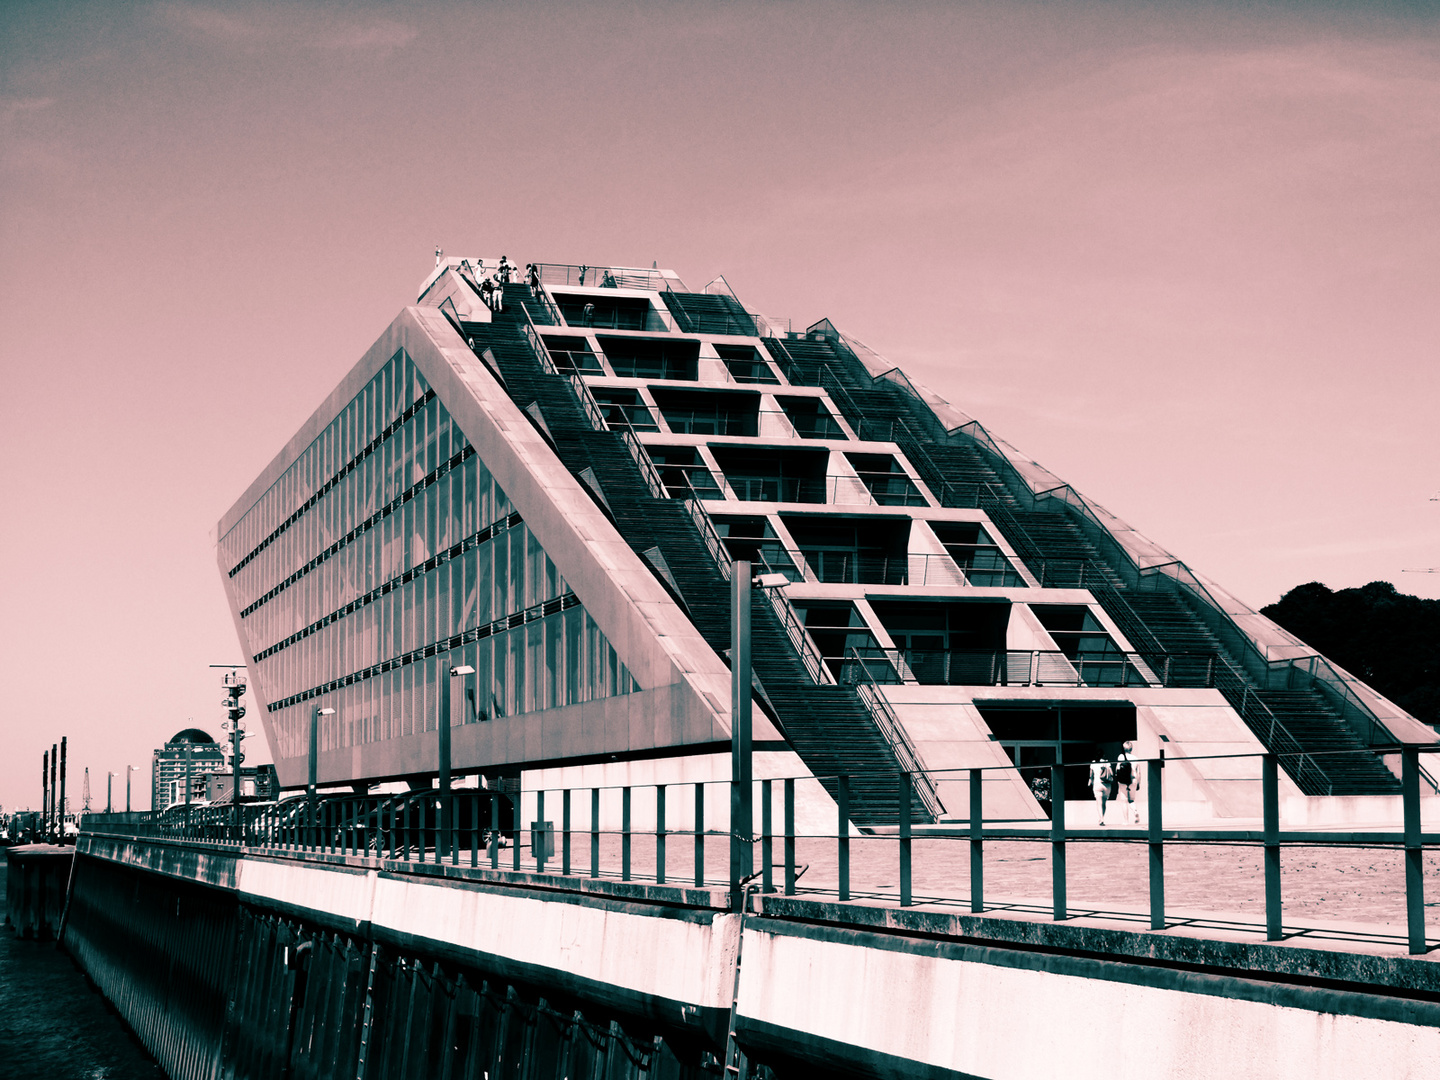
[{"x": 386, "y": 548}]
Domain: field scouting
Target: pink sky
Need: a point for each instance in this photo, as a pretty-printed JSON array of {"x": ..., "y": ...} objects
[{"x": 1184, "y": 255}]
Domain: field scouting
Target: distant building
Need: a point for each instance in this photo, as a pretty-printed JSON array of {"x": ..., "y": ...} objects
[
  {"x": 188, "y": 755},
  {"x": 550, "y": 497}
]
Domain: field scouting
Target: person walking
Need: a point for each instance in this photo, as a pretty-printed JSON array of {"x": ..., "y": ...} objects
[
  {"x": 499, "y": 295},
  {"x": 487, "y": 292},
  {"x": 532, "y": 278},
  {"x": 1102, "y": 778},
  {"x": 507, "y": 269},
  {"x": 1126, "y": 773}
]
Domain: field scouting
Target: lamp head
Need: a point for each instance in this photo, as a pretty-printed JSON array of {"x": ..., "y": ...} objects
[{"x": 463, "y": 669}]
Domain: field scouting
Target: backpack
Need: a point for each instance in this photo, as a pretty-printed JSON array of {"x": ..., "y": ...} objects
[{"x": 1122, "y": 772}]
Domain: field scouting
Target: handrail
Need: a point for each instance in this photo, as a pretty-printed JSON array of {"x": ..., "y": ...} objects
[
  {"x": 642, "y": 461},
  {"x": 795, "y": 630},
  {"x": 905, "y": 751}
]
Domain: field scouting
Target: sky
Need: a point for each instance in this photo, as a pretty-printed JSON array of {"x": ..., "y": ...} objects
[{"x": 1185, "y": 255}]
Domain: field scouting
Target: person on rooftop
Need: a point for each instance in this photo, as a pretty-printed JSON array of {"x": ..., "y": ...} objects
[
  {"x": 507, "y": 269},
  {"x": 498, "y": 294},
  {"x": 532, "y": 278}
]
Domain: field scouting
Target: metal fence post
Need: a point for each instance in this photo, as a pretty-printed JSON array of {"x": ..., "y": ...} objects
[
  {"x": 475, "y": 829},
  {"x": 660, "y": 834},
  {"x": 1414, "y": 853},
  {"x": 594, "y": 832},
  {"x": 1153, "y": 773},
  {"x": 767, "y": 839},
  {"x": 977, "y": 842},
  {"x": 625, "y": 833},
  {"x": 544, "y": 836},
  {"x": 789, "y": 836},
  {"x": 1057, "y": 840},
  {"x": 1270, "y": 795},
  {"x": 494, "y": 830},
  {"x": 699, "y": 834},
  {"x": 904, "y": 794},
  {"x": 842, "y": 803},
  {"x": 565, "y": 833}
]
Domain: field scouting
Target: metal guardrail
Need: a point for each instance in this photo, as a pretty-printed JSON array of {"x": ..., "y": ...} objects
[{"x": 467, "y": 825}]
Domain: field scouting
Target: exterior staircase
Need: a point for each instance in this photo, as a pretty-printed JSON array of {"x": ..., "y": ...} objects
[
  {"x": 1296, "y": 724},
  {"x": 829, "y": 727}
]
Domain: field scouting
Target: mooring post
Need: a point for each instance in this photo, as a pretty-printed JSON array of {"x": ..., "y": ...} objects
[
  {"x": 977, "y": 842},
  {"x": 1414, "y": 853},
  {"x": 742, "y": 794},
  {"x": 1270, "y": 797},
  {"x": 1057, "y": 840},
  {"x": 904, "y": 795},
  {"x": 1153, "y": 774}
]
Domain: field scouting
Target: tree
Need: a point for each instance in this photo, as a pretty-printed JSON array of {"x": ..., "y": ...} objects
[{"x": 1386, "y": 638}]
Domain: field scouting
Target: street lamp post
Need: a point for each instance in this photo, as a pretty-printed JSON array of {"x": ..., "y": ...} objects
[
  {"x": 443, "y": 739},
  {"x": 315, "y": 715},
  {"x": 741, "y": 793},
  {"x": 109, "y": 787},
  {"x": 128, "y": 770}
]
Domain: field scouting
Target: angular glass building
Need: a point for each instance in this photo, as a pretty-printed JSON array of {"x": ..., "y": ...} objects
[{"x": 552, "y": 494}]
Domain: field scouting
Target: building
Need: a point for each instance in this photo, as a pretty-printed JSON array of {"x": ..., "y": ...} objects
[
  {"x": 552, "y": 495},
  {"x": 189, "y": 755}
]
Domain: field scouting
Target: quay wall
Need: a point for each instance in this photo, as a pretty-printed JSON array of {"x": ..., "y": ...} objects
[{"x": 231, "y": 963}]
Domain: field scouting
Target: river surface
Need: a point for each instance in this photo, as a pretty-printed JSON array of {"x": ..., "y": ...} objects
[{"x": 53, "y": 1024}]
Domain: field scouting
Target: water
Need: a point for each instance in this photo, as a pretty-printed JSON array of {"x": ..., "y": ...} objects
[{"x": 53, "y": 1024}]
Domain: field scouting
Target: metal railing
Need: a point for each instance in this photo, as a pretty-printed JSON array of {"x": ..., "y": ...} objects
[
  {"x": 911, "y": 764},
  {"x": 632, "y": 834},
  {"x": 620, "y": 277}
]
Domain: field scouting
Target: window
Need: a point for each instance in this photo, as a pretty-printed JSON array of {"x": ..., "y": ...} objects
[
  {"x": 885, "y": 479},
  {"x": 810, "y": 417},
  {"x": 1072, "y": 734},
  {"x": 977, "y": 554},
  {"x": 682, "y": 470},
  {"x": 746, "y": 365},
  {"x": 573, "y": 354},
  {"x": 609, "y": 312},
  {"x": 774, "y": 474},
  {"x": 623, "y": 408},
  {"x": 708, "y": 412},
  {"x": 1080, "y": 636},
  {"x": 753, "y": 538},
  {"x": 652, "y": 358},
  {"x": 855, "y": 550}
]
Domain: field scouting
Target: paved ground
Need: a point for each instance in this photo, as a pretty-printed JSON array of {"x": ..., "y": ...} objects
[{"x": 1358, "y": 893}]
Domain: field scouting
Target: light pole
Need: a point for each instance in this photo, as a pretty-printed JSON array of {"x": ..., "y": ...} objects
[
  {"x": 128, "y": 770},
  {"x": 443, "y": 739},
  {"x": 109, "y": 787},
  {"x": 741, "y": 793},
  {"x": 315, "y": 715}
]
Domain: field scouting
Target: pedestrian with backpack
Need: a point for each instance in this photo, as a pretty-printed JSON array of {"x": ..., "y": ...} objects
[{"x": 1126, "y": 772}]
